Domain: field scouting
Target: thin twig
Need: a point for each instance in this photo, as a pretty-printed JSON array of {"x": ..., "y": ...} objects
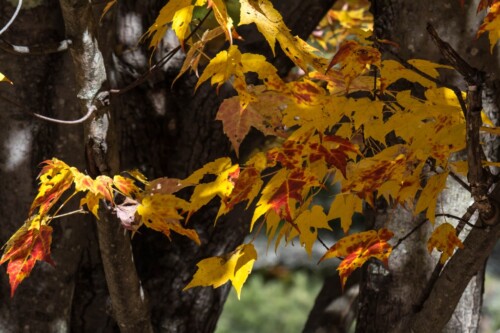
[
  {"x": 14, "y": 16},
  {"x": 46, "y": 48},
  {"x": 53, "y": 120},
  {"x": 459, "y": 219},
  {"x": 323, "y": 243},
  {"x": 80, "y": 211},
  {"x": 159, "y": 64},
  {"x": 402, "y": 239}
]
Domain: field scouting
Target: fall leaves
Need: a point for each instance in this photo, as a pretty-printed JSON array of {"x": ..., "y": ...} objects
[{"x": 339, "y": 125}]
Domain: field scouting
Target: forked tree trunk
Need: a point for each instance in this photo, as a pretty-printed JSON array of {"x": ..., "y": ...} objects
[{"x": 388, "y": 298}]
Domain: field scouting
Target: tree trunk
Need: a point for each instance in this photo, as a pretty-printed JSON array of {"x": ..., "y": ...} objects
[
  {"x": 163, "y": 131},
  {"x": 388, "y": 298}
]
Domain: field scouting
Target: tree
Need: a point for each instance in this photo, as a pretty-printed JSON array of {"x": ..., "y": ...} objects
[{"x": 387, "y": 164}]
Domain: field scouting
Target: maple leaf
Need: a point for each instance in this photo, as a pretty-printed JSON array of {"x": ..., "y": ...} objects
[
  {"x": 262, "y": 114},
  {"x": 161, "y": 212},
  {"x": 222, "y": 186},
  {"x": 429, "y": 195},
  {"x": 92, "y": 202},
  {"x": 391, "y": 166},
  {"x": 246, "y": 187},
  {"x": 234, "y": 266},
  {"x": 343, "y": 207},
  {"x": 308, "y": 223},
  {"x": 282, "y": 192},
  {"x": 444, "y": 239},
  {"x": 125, "y": 185},
  {"x": 334, "y": 151},
  {"x": 270, "y": 24},
  {"x": 354, "y": 59},
  {"x": 82, "y": 182},
  {"x": 180, "y": 13},
  {"x": 393, "y": 71},
  {"x": 358, "y": 248},
  {"x": 30, "y": 243},
  {"x": 55, "y": 178},
  {"x": 138, "y": 176},
  {"x": 491, "y": 24},
  {"x": 233, "y": 64}
]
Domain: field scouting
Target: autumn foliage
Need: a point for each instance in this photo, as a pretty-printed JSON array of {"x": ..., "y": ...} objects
[{"x": 340, "y": 123}]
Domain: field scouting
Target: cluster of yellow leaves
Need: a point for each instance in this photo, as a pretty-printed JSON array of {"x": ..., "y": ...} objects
[{"x": 234, "y": 266}]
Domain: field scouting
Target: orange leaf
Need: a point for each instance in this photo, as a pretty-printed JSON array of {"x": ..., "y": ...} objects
[
  {"x": 102, "y": 187},
  {"x": 29, "y": 244},
  {"x": 358, "y": 248},
  {"x": 125, "y": 185},
  {"x": 444, "y": 239}
]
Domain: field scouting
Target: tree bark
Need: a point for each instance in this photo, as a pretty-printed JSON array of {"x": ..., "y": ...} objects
[{"x": 398, "y": 295}]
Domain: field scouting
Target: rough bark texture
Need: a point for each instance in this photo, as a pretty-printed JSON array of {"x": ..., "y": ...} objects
[
  {"x": 163, "y": 131},
  {"x": 458, "y": 27}
]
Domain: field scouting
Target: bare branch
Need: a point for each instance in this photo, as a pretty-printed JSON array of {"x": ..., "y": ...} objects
[
  {"x": 14, "y": 16},
  {"x": 47, "y": 48}
]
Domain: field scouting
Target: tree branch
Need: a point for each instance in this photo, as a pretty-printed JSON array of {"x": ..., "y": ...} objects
[{"x": 127, "y": 297}]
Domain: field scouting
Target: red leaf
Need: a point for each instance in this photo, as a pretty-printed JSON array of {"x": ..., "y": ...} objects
[
  {"x": 24, "y": 248},
  {"x": 291, "y": 188}
]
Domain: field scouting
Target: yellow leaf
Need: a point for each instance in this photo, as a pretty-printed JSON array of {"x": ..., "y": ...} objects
[
  {"x": 460, "y": 167},
  {"x": 234, "y": 266},
  {"x": 343, "y": 207},
  {"x": 161, "y": 212},
  {"x": 354, "y": 59},
  {"x": 180, "y": 22},
  {"x": 270, "y": 24},
  {"x": 222, "y": 187},
  {"x": 167, "y": 13},
  {"x": 214, "y": 168},
  {"x": 444, "y": 239},
  {"x": 308, "y": 223},
  {"x": 92, "y": 202},
  {"x": 429, "y": 195}
]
